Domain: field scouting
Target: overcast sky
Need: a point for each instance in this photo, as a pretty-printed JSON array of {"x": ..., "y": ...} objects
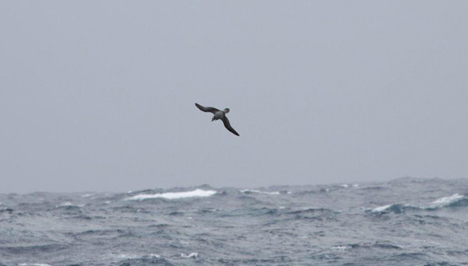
[{"x": 99, "y": 95}]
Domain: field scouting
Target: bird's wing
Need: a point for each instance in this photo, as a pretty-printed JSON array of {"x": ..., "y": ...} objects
[
  {"x": 228, "y": 126},
  {"x": 207, "y": 109}
]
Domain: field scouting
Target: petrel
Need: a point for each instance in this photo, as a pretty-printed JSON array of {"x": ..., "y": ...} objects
[{"x": 219, "y": 114}]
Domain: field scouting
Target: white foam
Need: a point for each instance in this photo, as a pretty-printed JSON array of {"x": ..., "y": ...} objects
[
  {"x": 175, "y": 195},
  {"x": 191, "y": 255},
  {"x": 259, "y": 192},
  {"x": 382, "y": 208},
  {"x": 340, "y": 247},
  {"x": 345, "y": 185},
  {"x": 86, "y": 195},
  {"x": 446, "y": 200}
]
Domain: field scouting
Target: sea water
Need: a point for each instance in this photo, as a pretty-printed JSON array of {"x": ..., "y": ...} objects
[{"x": 407, "y": 221}]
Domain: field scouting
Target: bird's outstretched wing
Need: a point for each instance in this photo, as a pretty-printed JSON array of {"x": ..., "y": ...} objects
[
  {"x": 228, "y": 126},
  {"x": 207, "y": 109}
]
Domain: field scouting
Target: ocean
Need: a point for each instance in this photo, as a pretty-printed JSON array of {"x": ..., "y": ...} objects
[{"x": 406, "y": 221}]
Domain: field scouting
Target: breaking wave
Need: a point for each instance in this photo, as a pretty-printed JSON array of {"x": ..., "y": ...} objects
[
  {"x": 175, "y": 195},
  {"x": 456, "y": 200},
  {"x": 253, "y": 191},
  {"x": 395, "y": 208}
]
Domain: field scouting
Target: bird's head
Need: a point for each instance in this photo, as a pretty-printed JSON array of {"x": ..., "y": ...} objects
[{"x": 226, "y": 110}]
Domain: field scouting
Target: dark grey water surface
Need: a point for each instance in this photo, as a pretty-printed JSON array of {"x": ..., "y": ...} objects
[{"x": 406, "y": 221}]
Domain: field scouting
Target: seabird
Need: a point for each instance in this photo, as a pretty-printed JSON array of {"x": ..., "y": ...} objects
[{"x": 219, "y": 114}]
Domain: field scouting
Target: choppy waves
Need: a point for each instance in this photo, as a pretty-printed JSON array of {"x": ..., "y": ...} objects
[{"x": 401, "y": 222}]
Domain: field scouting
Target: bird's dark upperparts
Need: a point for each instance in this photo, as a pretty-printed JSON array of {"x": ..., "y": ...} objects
[{"x": 218, "y": 115}]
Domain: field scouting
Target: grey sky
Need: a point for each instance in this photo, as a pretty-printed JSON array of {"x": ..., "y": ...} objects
[{"x": 99, "y": 95}]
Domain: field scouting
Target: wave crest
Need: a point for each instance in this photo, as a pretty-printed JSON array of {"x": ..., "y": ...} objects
[
  {"x": 174, "y": 195},
  {"x": 456, "y": 200},
  {"x": 394, "y": 208},
  {"x": 253, "y": 191}
]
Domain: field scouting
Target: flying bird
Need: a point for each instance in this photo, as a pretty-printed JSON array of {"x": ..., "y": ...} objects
[{"x": 219, "y": 114}]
